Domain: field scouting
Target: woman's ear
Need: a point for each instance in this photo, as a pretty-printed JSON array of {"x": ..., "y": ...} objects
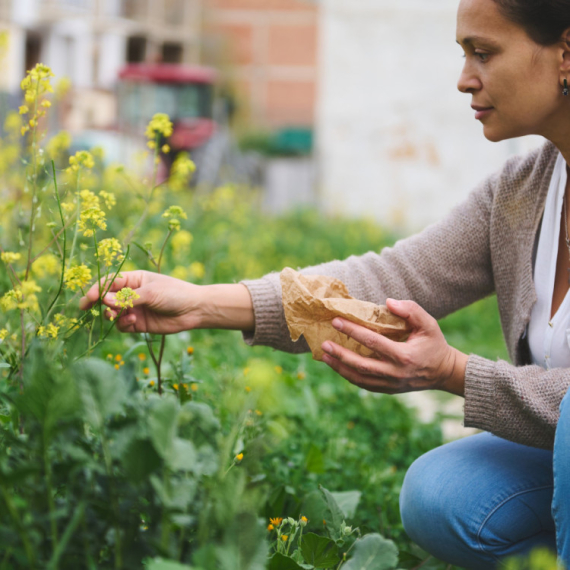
[{"x": 565, "y": 56}]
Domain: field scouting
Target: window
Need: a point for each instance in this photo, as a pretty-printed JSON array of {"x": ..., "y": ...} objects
[
  {"x": 136, "y": 49},
  {"x": 172, "y": 52}
]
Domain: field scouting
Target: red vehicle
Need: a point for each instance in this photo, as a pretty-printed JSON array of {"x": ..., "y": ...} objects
[{"x": 184, "y": 93}]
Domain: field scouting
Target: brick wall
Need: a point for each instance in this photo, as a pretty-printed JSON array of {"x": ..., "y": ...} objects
[{"x": 268, "y": 51}]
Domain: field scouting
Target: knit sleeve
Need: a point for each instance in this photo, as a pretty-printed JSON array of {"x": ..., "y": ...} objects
[
  {"x": 444, "y": 268},
  {"x": 529, "y": 397}
]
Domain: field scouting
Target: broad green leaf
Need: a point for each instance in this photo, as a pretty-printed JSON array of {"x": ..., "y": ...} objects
[
  {"x": 183, "y": 456},
  {"x": 319, "y": 551},
  {"x": 348, "y": 502},
  {"x": 244, "y": 546},
  {"x": 333, "y": 515},
  {"x": 161, "y": 564},
  {"x": 140, "y": 460},
  {"x": 162, "y": 423},
  {"x": 102, "y": 390},
  {"x": 281, "y": 562},
  {"x": 373, "y": 552},
  {"x": 4, "y": 365},
  {"x": 314, "y": 462}
]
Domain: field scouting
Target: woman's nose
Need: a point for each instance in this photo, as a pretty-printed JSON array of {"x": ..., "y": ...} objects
[{"x": 468, "y": 81}]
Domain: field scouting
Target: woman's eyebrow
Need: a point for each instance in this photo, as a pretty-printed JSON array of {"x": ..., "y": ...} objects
[{"x": 470, "y": 40}]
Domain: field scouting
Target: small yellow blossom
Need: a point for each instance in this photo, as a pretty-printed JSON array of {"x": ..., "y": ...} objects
[
  {"x": 58, "y": 144},
  {"x": 246, "y": 371},
  {"x": 118, "y": 358},
  {"x": 165, "y": 149},
  {"x": 258, "y": 413},
  {"x": 239, "y": 456},
  {"x": 46, "y": 104},
  {"x": 77, "y": 277},
  {"x": 301, "y": 376},
  {"x": 276, "y": 521},
  {"x": 142, "y": 356},
  {"x": 185, "y": 386},
  {"x": 80, "y": 159},
  {"x": 24, "y": 109},
  {"x": 181, "y": 172},
  {"x": 159, "y": 125},
  {"x": 122, "y": 363},
  {"x": 146, "y": 370},
  {"x": 270, "y": 527},
  {"x": 50, "y": 331},
  {"x": 110, "y": 250},
  {"x": 303, "y": 521},
  {"x": 279, "y": 370},
  {"x": 125, "y": 297},
  {"x": 88, "y": 200},
  {"x": 3, "y": 334},
  {"x": 151, "y": 383},
  {"x": 248, "y": 389},
  {"x": 181, "y": 242},
  {"x": 284, "y": 537},
  {"x": 91, "y": 220},
  {"x": 10, "y": 256},
  {"x": 108, "y": 198},
  {"x": 175, "y": 212},
  {"x": 194, "y": 387},
  {"x": 175, "y": 386},
  {"x": 46, "y": 265},
  {"x": 190, "y": 350},
  {"x": 109, "y": 357},
  {"x": 117, "y": 367}
]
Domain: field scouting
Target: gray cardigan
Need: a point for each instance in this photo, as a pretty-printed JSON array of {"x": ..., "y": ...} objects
[{"x": 484, "y": 245}]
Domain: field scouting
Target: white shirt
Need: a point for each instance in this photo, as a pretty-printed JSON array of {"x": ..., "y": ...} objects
[{"x": 549, "y": 339}]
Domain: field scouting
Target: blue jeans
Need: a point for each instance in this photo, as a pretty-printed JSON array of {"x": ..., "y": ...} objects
[{"x": 477, "y": 500}]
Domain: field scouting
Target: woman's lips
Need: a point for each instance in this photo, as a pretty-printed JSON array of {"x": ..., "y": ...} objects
[{"x": 481, "y": 112}]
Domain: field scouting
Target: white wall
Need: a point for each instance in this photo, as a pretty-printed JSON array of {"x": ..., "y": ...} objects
[{"x": 396, "y": 140}]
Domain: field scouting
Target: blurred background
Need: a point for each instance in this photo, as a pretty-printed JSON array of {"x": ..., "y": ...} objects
[{"x": 346, "y": 105}]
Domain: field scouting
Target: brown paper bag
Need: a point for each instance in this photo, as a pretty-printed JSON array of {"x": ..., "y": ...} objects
[{"x": 311, "y": 302}]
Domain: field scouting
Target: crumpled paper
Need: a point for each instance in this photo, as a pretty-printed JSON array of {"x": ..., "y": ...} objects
[{"x": 311, "y": 302}]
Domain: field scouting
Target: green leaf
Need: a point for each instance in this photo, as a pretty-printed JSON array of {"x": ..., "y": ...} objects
[
  {"x": 140, "y": 460},
  {"x": 319, "y": 551},
  {"x": 244, "y": 546},
  {"x": 4, "y": 365},
  {"x": 162, "y": 423},
  {"x": 281, "y": 562},
  {"x": 373, "y": 552},
  {"x": 183, "y": 456},
  {"x": 161, "y": 564},
  {"x": 348, "y": 502},
  {"x": 314, "y": 462},
  {"x": 333, "y": 515}
]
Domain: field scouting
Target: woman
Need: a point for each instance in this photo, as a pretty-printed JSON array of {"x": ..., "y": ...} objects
[{"x": 474, "y": 501}]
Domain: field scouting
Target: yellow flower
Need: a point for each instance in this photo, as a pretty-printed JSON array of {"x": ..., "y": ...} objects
[
  {"x": 24, "y": 109},
  {"x": 146, "y": 370},
  {"x": 50, "y": 331},
  {"x": 197, "y": 269},
  {"x": 142, "y": 356},
  {"x": 174, "y": 225},
  {"x": 276, "y": 521},
  {"x": 80, "y": 159},
  {"x": 125, "y": 297},
  {"x": 9, "y": 301},
  {"x": 109, "y": 357},
  {"x": 118, "y": 358},
  {"x": 175, "y": 386},
  {"x": 151, "y": 383},
  {"x": 159, "y": 125},
  {"x": 46, "y": 104},
  {"x": 239, "y": 456},
  {"x": 165, "y": 149},
  {"x": 185, "y": 386},
  {"x": 91, "y": 220},
  {"x": 117, "y": 367},
  {"x": 3, "y": 334},
  {"x": 88, "y": 200},
  {"x": 58, "y": 144},
  {"x": 10, "y": 257},
  {"x": 190, "y": 350},
  {"x": 76, "y": 277},
  {"x": 45, "y": 265},
  {"x": 303, "y": 521},
  {"x": 108, "y": 198},
  {"x": 248, "y": 389},
  {"x": 181, "y": 172},
  {"x": 301, "y": 376},
  {"x": 258, "y": 413},
  {"x": 175, "y": 212},
  {"x": 270, "y": 527},
  {"x": 194, "y": 387},
  {"x": 279, "y": 370},
  {"x": 179, "y": 272},
  {"x": 284, "y": 537},
  {"x": 110, "y": 250}
]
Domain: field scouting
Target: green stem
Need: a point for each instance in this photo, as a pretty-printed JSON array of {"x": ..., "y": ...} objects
[
  {"x": 51, "y": 504},
  {"x": 51, "y": 307},
  {"x": 78, "y": 215},
  {"x": 100, "y": 302}
]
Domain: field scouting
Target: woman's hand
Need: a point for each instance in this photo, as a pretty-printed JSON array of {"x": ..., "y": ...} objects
[
  {"x": 167, "y": 305},
  {"x": 424, "y": 362}
]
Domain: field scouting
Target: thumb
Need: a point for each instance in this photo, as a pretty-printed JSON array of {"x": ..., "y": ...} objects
[
  {"x": 140, "y": 298},
  {"x": 411, "y": 312}
]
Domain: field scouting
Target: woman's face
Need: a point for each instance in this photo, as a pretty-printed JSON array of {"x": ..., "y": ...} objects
[{"x": 513, "y": 81}]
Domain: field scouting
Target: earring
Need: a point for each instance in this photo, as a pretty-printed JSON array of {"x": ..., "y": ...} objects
[{"x": 565, "y": 90}]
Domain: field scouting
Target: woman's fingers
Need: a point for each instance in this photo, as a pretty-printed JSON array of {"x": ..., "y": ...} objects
[
  {"x": 132, "y": 279},
  {"x": 382, "y": 346},
  {"x": 373, "y": 383}
]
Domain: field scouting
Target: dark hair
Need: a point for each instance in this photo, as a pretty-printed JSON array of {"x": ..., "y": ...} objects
[{"x": 543, "y": 20}]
